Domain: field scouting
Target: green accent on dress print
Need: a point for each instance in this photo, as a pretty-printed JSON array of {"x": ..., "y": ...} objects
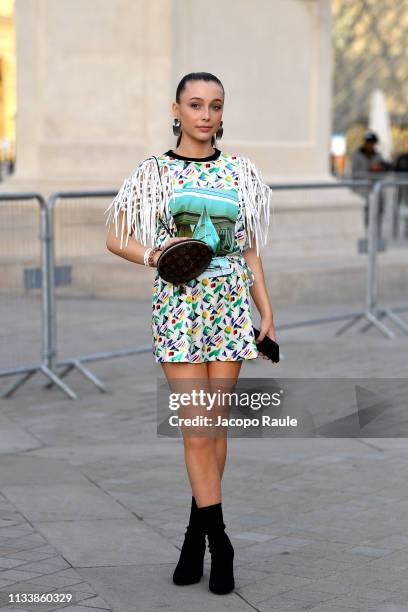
[
  {"x": 219, "y": 202},
  {"x": 205, "y": 230},
  {"x": 222, "y": 206}
]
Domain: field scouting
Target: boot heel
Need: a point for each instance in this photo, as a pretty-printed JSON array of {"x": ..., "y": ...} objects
[{"x": 222, "y": 564}]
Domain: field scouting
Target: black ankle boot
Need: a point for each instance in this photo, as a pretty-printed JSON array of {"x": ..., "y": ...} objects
[
  {"x": 222, "y": 552},
  {"x": 190, "y": 566}
]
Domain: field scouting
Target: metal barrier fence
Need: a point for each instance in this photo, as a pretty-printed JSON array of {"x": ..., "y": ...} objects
[
  {"x": 375, "y": 243},
  {"x": 374, "y": 313},
  {"x": 64, "y": 257},
  {"x": 393, "y": 203},
  {"x": 26, "y": 238},
  {"x": 79, "y": 258}
]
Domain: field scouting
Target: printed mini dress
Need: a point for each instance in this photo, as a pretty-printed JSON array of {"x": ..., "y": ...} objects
[{"x": 208, "y": 318}]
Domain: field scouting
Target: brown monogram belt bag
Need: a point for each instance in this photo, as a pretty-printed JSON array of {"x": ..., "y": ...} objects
[{"x": 184, "y": 260}]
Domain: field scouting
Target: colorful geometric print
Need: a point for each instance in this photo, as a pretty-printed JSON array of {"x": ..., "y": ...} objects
[
  {"x": 219, "y": 173},
  {"x": 212, "y": 319},
  {"x": 210, "y": 322}
]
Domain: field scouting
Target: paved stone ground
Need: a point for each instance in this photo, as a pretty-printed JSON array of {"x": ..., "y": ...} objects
[{"x": 93, "y": 503}]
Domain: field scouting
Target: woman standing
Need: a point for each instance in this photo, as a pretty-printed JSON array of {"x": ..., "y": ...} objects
[{"x": 202, "y": 329}]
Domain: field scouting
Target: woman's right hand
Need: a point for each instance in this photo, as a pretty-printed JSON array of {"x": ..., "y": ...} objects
[
  {"x": 171, "y": 241},
  {"x": 168, "y": 243}
]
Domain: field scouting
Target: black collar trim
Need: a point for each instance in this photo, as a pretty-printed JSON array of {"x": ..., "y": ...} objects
[{"x": 211, "y": 157}]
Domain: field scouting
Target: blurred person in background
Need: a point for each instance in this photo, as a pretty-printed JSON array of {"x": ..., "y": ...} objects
[{"x": 364, "y": 161}]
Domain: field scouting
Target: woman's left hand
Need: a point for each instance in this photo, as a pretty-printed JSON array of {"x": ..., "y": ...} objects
[{"x": 267, "y": 328}]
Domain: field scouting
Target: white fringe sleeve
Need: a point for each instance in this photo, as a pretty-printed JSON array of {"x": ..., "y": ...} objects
[
  {"x": 256, "y": 199},
  {"x": 142, "y": 198}
]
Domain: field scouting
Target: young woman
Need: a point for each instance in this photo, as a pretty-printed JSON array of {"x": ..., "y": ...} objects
[{"x": 201, "y": 330}]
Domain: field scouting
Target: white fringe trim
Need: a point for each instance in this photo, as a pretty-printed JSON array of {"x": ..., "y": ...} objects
[
  {"x": 256, "y": 197},
  {"x": 142, "y": 197}
]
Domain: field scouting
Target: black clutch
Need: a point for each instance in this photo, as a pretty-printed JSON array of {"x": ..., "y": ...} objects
[
  {"x": 182, "y": 261},
  {"x": 268, "y": 347}
]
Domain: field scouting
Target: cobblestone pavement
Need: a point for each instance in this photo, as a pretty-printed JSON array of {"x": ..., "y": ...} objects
[{"x": 95, "y": 504}]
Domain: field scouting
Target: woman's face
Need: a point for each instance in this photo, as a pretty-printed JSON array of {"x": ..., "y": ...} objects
[{"x": 201, "y": 105}]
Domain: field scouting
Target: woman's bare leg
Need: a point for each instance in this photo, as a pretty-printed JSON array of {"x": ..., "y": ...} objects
[
  {"x": 205, "y": 456},
  {"x": 199, "y": 451},
  {"x": 227, "y": 370}
]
